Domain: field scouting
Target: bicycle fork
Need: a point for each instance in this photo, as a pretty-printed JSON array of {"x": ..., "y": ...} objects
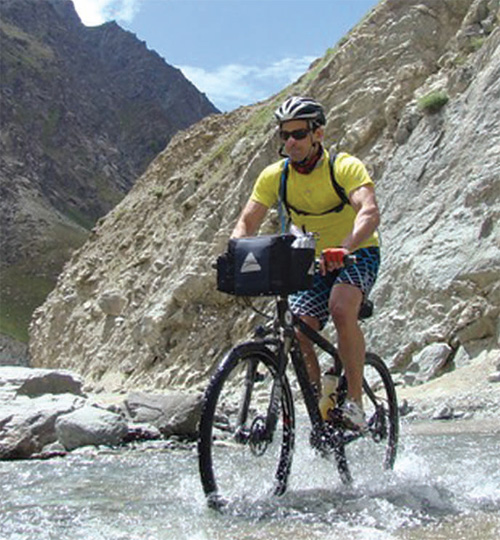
[{"x": 261, "y": 431}]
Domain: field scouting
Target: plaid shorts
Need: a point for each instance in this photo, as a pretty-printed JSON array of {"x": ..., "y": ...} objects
[{"x": 363, "y": 274}]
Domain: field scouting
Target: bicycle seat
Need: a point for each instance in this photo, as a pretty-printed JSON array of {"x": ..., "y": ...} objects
[{"x": 366, "y": 310}]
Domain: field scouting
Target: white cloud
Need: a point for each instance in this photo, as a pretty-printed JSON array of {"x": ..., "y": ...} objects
[
  {"x": 233, "y": 85},
  {"x": 95, "y": 12}
]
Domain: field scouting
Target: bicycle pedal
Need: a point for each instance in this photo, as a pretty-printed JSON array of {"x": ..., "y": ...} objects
[
  {"x": 335, "y": 417},
  {"x": 347, "y": 424},
  {"x": 337, "y": 420}
]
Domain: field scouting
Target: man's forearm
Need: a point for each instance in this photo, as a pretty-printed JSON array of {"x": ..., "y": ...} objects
[
  {"x": 365, "y": 224},
  {"x": 250, "y": 219}
]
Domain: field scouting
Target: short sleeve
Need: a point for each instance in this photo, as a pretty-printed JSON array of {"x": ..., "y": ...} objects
[
  {"x": 351, "y": 173},
  {"x": 266, "y": 188}
]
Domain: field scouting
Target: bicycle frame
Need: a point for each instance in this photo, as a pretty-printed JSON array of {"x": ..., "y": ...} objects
[
  {"x": 323, "y": 437},
  {"x": 288, "y": 347},
  {"x": 255, "y": 422}
]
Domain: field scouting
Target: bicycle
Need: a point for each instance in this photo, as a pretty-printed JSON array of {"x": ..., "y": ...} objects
[{"x": 248, "y": 410}]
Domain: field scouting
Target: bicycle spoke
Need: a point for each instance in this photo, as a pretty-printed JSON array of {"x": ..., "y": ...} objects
[{"x": 239, "y": 455}]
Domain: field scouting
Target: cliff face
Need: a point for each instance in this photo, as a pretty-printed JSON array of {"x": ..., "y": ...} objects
[
  {"x": 137, "y": 306},
  {"x": 83, "y": 112}
]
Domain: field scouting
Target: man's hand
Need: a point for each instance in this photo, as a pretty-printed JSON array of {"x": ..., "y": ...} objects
[{"x": 332, "y": 259}]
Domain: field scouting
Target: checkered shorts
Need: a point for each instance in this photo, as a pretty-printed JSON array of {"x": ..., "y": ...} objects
[{"x": 363, "y": 274}]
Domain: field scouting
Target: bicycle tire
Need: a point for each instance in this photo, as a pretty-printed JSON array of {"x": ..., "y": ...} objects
[
  {"x": 223, "y": 459},
  {"x": 380, "y": 443}
]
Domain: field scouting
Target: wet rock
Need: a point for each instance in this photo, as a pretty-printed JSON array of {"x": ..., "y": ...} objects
[
  {"x": 175, "y": 413},
  {"x": 141, "y": 432},
  {"x": 50, "y": 451},
  {"x": 27, "y": 425},
  {"x": 90, "y": 426},
  {"x": 405, "y": 408},
  {"x": 444, "y": 413}
]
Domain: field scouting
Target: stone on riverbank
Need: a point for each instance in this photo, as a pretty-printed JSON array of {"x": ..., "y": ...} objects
[
  {"x": 176, "y": 413},
  {"x": 27, "y": 425},
  {"x": 90, "y": 426},
  {"x": 32, "y": 382},
  {"x": 44, "y": 412}
]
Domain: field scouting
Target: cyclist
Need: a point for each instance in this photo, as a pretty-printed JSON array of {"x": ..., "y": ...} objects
[{"x": 314, "y": 205}]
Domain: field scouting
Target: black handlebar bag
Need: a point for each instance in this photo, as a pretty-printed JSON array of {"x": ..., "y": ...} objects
[{"x": 265, "y": 266}]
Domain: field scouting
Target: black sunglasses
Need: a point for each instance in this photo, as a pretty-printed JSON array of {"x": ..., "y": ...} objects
[{"x": 297, "y": 134}]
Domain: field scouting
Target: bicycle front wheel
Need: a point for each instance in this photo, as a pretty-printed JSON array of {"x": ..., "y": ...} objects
[{"x": 240, "y": 456}]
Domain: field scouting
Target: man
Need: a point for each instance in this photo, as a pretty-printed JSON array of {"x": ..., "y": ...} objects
[{"x": 314, "y": 205}]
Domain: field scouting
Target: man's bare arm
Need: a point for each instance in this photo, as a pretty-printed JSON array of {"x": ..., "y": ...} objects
[
  {"x": 250, "y": 219},
  {"x": 365, "y": 205}
]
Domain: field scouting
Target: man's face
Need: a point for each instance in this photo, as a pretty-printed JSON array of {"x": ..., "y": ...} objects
[{"x": 298, "y": 148}]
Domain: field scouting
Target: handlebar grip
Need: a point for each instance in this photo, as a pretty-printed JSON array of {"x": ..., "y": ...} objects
[{"x": 349, "y": 260}]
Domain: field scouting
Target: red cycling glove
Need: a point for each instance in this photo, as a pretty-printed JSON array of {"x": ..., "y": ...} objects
[{"x": 334, "y": 255}]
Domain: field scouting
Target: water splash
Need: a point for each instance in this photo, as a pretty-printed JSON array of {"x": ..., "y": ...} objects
[{"x": 443, "y": 487}]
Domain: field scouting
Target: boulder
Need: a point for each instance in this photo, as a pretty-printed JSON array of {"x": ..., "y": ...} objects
[
  {"x": 175, "y": 413},
  {"x": 27, "y": 425},
  {"x": 90, "y": 426},
  {"x": 429, "y": 362},
  {"x": 24, "y": 381}
]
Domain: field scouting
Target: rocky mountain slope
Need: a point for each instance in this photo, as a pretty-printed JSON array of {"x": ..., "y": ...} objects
[
  {"x": 414, "y": 91},
  {"x": 83, "y": 112}
]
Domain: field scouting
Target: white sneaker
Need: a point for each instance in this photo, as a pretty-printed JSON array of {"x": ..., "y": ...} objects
[{"x": 353, "y": 415}]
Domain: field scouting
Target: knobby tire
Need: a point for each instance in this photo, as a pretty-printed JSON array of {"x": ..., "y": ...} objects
[{"x": 220, "y": 410}]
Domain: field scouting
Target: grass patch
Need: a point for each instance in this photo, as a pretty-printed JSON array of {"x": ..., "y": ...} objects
[
  {"x": 21, "y": 48},
  {"x": 476, "y": 42},
  {"x": 433, "y": 102},
  {"x": 25, "y": 285},
  {"x": 21, "y": 292},
  {"x": 79, "y": 218}
]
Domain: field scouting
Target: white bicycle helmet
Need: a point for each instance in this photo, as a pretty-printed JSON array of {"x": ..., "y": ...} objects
[{"x": 301, "y": 108}]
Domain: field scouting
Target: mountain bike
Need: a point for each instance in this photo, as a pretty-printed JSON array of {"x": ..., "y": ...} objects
[{"x": 248, "y": 424}]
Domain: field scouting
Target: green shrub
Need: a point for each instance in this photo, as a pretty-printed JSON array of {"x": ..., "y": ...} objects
[
  {"x": 476, "y": 42},
  {"x": 433, "y": 101}
]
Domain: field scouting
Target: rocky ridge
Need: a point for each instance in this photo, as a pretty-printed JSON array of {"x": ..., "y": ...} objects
[
  {"x": 137, "y": 306},
  {"x": 84, "y": 110}
]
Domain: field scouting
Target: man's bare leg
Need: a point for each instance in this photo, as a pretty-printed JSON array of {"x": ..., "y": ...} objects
[
  {"x": 309, "y": 354},
  {"x": 345, "y": 301}
]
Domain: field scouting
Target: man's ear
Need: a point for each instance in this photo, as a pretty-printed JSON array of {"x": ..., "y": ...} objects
[{"x": 319, "y": 134}]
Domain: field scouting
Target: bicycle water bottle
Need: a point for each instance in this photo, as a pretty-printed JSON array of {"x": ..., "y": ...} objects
[{"x": 328, "y": 394}]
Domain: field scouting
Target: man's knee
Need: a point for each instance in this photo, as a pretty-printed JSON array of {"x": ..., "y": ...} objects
[{"x": 344, "y": 305}]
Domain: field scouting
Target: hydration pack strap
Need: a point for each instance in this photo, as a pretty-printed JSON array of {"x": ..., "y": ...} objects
[
  {"x": 283, "y": 210},
  {"x": 284, "y": 207}
]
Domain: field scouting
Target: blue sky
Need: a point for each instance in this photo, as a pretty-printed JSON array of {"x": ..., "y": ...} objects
[{"x": 236, "y": 51}]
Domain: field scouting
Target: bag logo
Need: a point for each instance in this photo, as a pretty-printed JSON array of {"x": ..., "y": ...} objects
[{"x": 250, "y": 264}]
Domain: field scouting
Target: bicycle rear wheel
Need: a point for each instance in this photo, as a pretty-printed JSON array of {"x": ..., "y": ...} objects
[
  {"x": 234, "y": 459},
  {"x": 376, "y": 450}
]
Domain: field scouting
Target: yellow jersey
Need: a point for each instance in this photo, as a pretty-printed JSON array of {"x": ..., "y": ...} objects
[{"x": 315, "y": 194}]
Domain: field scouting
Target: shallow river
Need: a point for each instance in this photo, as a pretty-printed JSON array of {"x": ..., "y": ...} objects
[{"x": 443, "y": 487}]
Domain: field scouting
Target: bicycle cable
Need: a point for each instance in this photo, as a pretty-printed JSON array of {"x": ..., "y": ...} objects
[{"x": 248, "y": 303}]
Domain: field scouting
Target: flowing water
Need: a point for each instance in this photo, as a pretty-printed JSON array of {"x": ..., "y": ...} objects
[{"x": 443, "y": 487}]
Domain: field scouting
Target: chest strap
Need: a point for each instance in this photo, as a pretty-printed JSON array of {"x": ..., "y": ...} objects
[{"x": 284, "y": 206}]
